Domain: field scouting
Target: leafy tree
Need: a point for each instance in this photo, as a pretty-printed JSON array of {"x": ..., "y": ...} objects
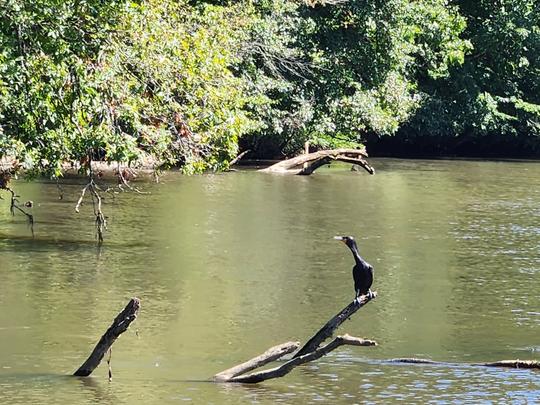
[
  {"x": 491, "y": 102},
  {"x": 341, "y": 71},
  {"x": 117, "y": 80}
]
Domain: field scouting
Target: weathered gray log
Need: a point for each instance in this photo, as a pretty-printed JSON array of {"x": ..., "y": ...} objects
[
  {"x": 286, "y": 368},
  {"x": 307, "y": 163},
  {"x": 328, "y": 329},
  {"x": 268, "y": 356},
  {"x": 119, "y": 326}
]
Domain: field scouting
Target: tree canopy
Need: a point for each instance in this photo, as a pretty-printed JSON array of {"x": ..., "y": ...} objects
[{"x": 186, "y": 83}]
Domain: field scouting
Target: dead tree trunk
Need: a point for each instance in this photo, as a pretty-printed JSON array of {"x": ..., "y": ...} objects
[
  {"x": 119, "y": 326},
  {"x": 308, "y": 163},
  {"x": 311, "y": 350}
]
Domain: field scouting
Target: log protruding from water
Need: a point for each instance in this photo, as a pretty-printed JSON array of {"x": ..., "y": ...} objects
[
  {"x": 307, "y": 163},
  {"x": 120, "y": 325},
  {"x": 328, "y": 329},
  {"x": 309, "y": 352}
]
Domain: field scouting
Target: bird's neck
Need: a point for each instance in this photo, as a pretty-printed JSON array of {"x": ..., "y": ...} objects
[{"x": 357, "y": 258}]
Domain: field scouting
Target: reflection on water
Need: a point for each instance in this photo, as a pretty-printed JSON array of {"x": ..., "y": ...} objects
[{"x": 228, "y": 265}]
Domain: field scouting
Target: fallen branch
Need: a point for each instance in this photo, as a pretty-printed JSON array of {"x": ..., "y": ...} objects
[
  {"x": 307, "y": 163},
  {"x": 237, "y": 158},
  {"x": 124, "y": 175},
  {"x": 119, "y": 326},
  {"x": 296, "y": 361},
  {"x": 328, "y": 329},
  {"x": 272, "y": 354}
]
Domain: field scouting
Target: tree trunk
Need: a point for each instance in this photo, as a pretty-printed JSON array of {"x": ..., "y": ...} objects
[
  {"x": 119, "y": 326},
  {"x": 307, "y": 163}
]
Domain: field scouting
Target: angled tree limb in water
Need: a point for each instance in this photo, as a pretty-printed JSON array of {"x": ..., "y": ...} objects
[
  {"x": 272, "y": 354},
  {"x": 308, "y": 163},
  {"x": 285, "y": 368},
  {"x": 119, "y": 326},
  {"x": 328, "y": 329}
]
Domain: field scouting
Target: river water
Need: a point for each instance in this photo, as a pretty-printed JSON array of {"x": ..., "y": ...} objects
[{"x": 228, "y": 265}]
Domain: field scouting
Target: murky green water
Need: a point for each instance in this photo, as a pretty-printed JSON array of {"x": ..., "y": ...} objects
[{"x": 229, "y": 265}]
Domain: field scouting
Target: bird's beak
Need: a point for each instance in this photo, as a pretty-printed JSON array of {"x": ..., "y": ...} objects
[{"x": 341, "y": 238}]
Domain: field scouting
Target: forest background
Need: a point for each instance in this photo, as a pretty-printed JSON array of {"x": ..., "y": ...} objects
[{"x": 190, "y": 84}]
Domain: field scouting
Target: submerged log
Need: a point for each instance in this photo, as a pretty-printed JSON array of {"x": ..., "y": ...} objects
[
  {"x": 119, "y": 326},
  {"x": 308, "y": 163},
  {"x": 512, "y": 364},
  {"x": 502, "y": 363}
]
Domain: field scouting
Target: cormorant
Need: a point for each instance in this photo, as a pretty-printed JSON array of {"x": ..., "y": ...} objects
[{"x": 362, "y": 270}]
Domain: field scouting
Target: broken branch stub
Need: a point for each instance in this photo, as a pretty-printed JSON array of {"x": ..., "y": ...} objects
[{"x": 120, "y": 325}]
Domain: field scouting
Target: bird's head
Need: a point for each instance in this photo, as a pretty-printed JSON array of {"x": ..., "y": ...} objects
[{"x": 348, "y": 240}]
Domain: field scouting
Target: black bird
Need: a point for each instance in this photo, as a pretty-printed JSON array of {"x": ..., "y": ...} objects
[{"x": 362, "y": 270}]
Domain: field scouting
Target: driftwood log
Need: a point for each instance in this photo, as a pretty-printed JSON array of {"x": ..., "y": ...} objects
[
  {"x": 308, "y": 163},
  {"x": 119, "y": 326},
  {"x": 309, "y": 352}
]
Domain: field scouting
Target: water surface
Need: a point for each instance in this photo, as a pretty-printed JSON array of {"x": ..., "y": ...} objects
[{"x": 228, "y": 265}]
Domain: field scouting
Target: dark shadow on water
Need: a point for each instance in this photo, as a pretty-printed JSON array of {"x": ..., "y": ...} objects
[{"x": 43, "y": 244}]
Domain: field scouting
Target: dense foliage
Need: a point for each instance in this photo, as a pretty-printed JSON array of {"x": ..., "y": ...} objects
[{"x": 184, "y": 83}]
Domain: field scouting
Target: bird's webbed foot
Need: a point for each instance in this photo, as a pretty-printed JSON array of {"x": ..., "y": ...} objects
[{"x": 363, "y": 297}]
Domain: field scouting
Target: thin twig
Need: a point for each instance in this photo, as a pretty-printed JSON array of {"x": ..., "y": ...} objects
[
  {"x": 80, "y": 200},
  {"x": 15, "y": 206}
]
